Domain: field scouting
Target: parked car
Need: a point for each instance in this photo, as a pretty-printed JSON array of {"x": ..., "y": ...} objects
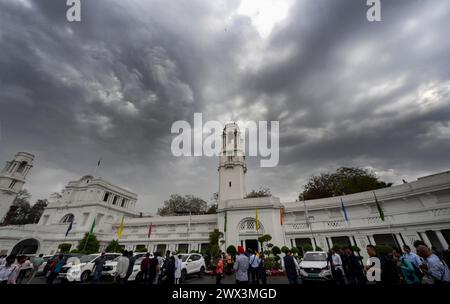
[
  {"x": 66, "y": 257},
  {"x": 192, "y": 263},
  {"x": 80, "y": 269},
  {"x": 110, "y": 267},
  {"x": 315, "y": 266}
]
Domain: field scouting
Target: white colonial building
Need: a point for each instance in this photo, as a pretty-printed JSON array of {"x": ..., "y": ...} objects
[{"x": 419, "y": 210}]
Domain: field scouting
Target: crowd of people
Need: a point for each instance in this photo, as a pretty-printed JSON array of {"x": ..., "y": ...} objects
[{"x": 425, "y": 266}]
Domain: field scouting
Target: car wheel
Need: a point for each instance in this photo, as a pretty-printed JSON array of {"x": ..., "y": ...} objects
[
  {"x": 202, "y": 272},
  {"x": 85, "y": 276},
  {"x": 183, "y": 275}
]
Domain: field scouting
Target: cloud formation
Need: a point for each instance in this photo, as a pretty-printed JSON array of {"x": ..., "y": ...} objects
[{"x": 346, "y": 91}]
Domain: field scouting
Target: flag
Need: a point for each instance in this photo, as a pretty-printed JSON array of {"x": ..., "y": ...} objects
[
  {"x": 281, "y": 216},
  {"x": 380, "y": 210},
  {"x": 92, "y": 227},
  {"x": 189, "y": 223},
  {"x": 119, "y": 232},
  {"x": 69, "y": 228},
  {"x": 225, "y": 223},
  {"x": 149, "y": 230},
  {"x": 344, "y": 210},
  {"x": 257, "y": 220},
  {"x": 99, "y": 162}
]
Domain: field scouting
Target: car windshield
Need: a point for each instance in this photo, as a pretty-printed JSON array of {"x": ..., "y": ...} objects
[
  {"x": 87, "y": 258},
  {"x": 184, "y": 258},
  {"x": 318, "y": 256}
]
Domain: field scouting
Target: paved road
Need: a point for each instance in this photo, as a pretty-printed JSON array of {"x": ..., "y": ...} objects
[{"x": 191, "y": 280}]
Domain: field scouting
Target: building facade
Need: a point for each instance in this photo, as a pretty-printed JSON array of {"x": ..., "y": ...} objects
[{"x": 419, "y": 210}]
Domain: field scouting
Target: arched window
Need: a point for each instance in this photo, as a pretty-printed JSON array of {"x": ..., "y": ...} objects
[{"x": 67, "y": 218}]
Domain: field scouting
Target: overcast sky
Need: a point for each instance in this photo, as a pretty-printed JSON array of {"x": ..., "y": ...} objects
[{"x": 346, "y": 91}]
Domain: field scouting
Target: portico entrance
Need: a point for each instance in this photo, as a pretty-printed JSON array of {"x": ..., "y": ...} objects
[{"x": 252, "y": 244}]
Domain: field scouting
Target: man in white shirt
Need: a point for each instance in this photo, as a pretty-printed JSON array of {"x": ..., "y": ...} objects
[
  {"x": 122, "y": 267},
  {"x": 338, "y": 268},
  {"x": 253, "y": 262},
  {"x": 178, "y": 265},
  {"x": 434, "y": 266}
]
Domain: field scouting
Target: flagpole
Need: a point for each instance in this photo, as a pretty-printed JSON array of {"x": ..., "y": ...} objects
[{"x": 307, "y": 220}]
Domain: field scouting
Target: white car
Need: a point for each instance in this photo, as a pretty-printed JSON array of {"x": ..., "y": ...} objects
[
  {"x": 314, "y": 266},
  {"x": 192, "y": 263},
  {"x": 80, "y": 269},
  {"x": 110, "y": 267}
]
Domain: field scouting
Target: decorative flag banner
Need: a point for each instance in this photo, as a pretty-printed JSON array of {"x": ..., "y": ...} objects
[
  {"x": 91, "y": 231},
  {"x": 344, "y": 210},
  {"x": 380, "y": 210},
  {"x": 281, "y": 216},
  {"x": 257, "y": 220},
  {"x": 149, "y": 230},
  {"x": 225, "y": 223},
  {"x": 69, "y": 228},
  {"x": 119, "y": 232}
]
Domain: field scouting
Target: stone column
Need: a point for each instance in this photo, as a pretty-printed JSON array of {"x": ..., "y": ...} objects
[
  {"x": 441, "y": 239},
  {"x": 425, "y": 239}
]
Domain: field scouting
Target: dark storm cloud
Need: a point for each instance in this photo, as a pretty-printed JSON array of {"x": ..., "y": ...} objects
[{"x": 346, "y": 91}]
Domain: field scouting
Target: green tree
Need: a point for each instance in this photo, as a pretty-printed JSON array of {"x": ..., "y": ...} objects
[
  {"x": 212, "y": 209},
  {"x": 113, "y": 246},
  {"x": 295, "y": 250},
  {"x": 262, "y": 192},
  {"x": 64, "y": 247},
  {"x": 213, "y": 246},
  {"x": 177, "y": 204},
  {"x": 92, "y": 245},
  {"x": 318, "y": 248},
  {"x": 19, "y": 211},
  {"x": 345, "y": 180},
  {"x": 284, "y": 249},
  {"x": 36, "y": 211}
]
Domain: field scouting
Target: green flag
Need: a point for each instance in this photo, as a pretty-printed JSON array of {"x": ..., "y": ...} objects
[
  {"x": 380, "y": 210},
  {"x": 225, "y": 223},
  {"x": 92, "y": 227}
]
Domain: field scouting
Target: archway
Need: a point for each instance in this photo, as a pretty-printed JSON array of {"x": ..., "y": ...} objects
[{"x": 27, "y": 246}]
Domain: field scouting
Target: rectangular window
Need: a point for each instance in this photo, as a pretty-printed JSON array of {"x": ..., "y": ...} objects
[
  {"x": 106, "y": 197},
  {"x": 13, "y": 183},
  {"x": 114, "y": 200},
  {"x": 123, "y": 202}
]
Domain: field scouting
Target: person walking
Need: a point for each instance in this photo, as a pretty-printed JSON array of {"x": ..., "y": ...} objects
[
  {"x": 338, "y": 267},
  {"x": 55, "y": 268},
  {"x": 241, "y": 266},
  {"x": 405, "y": 267},
  {"x": 37, "y": 262},
  {"x": 131, "y": 260},
  {"x": 7, "y": 270},
  {"x": 178, "y": 266},
  {"x": 414, "y": 259},
  {"x": 290, "y": 266},
  {"x": 145, "y": 268},
  {"x": 253, "y": 267},
  {"x": 153, "y": 268},
  {"x": 122, "y": 268},
  {"x": 170, "y": 271},
  {"x": 261, "y": 269},
  {"x": 354, "y": 269},
  {"x": 433, "y": 266},
  {"x": 98, "y": 268},
  {"x": 219, "y": 269}
]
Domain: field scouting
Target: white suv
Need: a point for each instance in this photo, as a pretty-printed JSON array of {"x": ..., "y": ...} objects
[
  {"x": 192, "y": 263},
  {"x": 79, "y": 269},
  {"x": 314, "y": 266}
]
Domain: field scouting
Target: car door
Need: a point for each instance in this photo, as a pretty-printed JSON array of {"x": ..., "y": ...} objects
[
  {"x": 190, "y": 264},
  {"x": 196, "y": 262}
]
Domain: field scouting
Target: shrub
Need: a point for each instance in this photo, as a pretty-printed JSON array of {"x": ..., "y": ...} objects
[
  {"x": 113, "y": 246},
  {"x": 64, "y": 247},
  {"x": 307, "y": 247},
  {"x": 383, "y": 249},
  {"x": 276, "y": 250},
  {"x": 284, "y": 249},
  {"x": 318, "y": 248},
  {"x": 231, "y": 250},
  {"x": 295, "y": 250},
  {"x": 140, "y": 248},
  {"x": 271, "y": 263},
  {"x": 356, "y": 249},
  {"x": 89, "y": 244}
]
